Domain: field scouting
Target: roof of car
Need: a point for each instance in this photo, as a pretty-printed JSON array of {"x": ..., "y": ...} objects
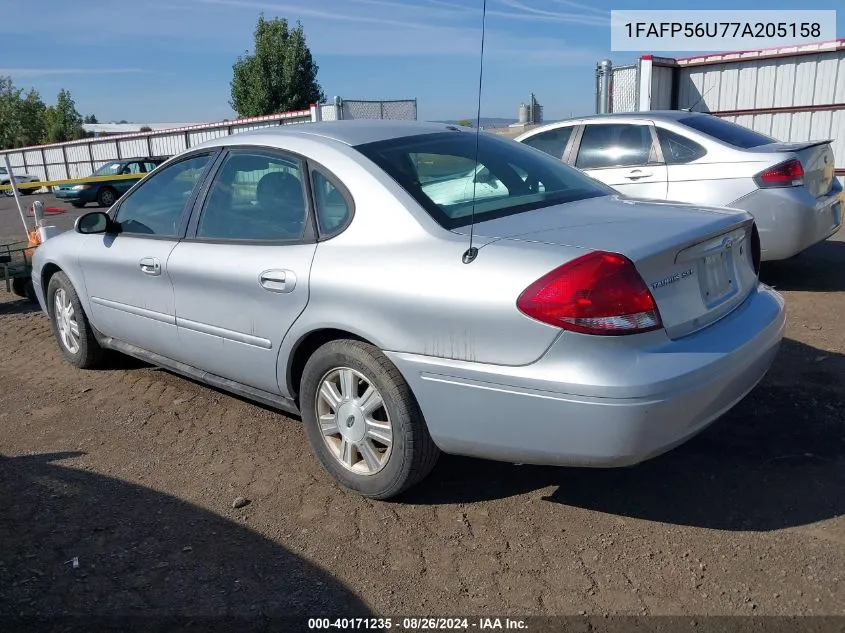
[
  {"x": 644, "y": 114},
  {"x": 354, "y": 132}
]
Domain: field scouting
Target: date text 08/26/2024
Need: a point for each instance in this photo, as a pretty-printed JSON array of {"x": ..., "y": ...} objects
[{"x": 418, "y": 624}]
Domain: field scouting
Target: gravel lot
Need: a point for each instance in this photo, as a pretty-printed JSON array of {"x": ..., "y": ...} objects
[{"x": 133, "y": 471}]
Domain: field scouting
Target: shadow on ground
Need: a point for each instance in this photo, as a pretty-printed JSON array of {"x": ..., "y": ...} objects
[
  {"x": 777, "y": 460},
  {"x": 17, "y": 306},
  {"x": 142, "y": 554},
  {"x": 818, "y": 269}
]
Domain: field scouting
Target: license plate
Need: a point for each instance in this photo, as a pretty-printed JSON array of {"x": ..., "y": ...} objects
[{"x": 717, "y": 275}]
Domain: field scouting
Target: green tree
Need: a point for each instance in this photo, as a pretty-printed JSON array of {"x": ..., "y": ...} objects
[
  {"x": 64, "y": 123},
  {"x": 466, "y": 123},
  {"x": 280, "y": 75},
  {"x": 11, "y": 128},
  {"x": 33, "y": 116},
  {"x": 145, "y": 128},
  {"x": 91, "y": 120}
]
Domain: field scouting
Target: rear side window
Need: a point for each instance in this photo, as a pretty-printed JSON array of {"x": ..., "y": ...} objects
[
  {"x": 678, "y": 149},
  {"x": 614, "y": 145},
  {"x": 553, "y": 142},
  {"x": 256, "y": 196},
  {"x": 725, "y": 131},
  {"x": 330, "y": 204}
]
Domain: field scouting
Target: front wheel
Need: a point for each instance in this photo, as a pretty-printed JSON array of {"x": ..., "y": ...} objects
[
  {"x": 70, "y": 326},
  {"x": 363, "y": 422}
]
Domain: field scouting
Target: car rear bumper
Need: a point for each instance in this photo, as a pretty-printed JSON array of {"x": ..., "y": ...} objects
[
  {"x": 598, "y": 401},
  {"x": 790, "y": 220}
]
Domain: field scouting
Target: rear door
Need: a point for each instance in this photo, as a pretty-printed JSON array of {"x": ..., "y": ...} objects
[
  {"x": 624, "y": 156},
  {"x": 241, "y": 275}
]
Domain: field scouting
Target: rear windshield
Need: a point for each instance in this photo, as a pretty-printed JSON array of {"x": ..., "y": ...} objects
[
  {"x": 727, "y": 132},
  {"x": 441, "y": 173}
]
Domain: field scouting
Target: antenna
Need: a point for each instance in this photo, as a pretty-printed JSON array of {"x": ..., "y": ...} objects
[
  {"x": 700, "y": 99},
  {"x": 472, "y": 252}
]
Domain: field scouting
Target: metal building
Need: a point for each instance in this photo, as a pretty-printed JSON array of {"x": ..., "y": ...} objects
[{"x": 793, "y": 93}]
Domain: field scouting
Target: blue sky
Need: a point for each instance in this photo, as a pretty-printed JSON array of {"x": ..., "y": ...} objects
[{"x": 171, "y": 60}]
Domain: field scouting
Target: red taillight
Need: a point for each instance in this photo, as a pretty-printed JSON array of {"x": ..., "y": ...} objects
[
  {"x": 599, "y": 293},
  {"x": 788, "y": 174}
]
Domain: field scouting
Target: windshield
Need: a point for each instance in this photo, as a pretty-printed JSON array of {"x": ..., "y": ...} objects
[
  {"x": 727, "y": 132},
  {"x": 109, "y": 169},
  {"x": 440, "y": 171}
]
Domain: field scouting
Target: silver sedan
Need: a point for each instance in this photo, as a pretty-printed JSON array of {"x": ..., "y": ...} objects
[
  {"x": 698, "y": 158},
  {"x": 326, "y": 270}
]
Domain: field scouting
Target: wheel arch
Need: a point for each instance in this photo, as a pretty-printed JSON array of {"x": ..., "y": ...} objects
[{"x": 307, "y": 344}]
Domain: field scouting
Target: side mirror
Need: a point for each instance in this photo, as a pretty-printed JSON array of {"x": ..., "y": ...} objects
[{"x": 94, "y": 223}]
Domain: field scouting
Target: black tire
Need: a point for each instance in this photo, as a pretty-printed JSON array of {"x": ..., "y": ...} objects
[
  {"x": 106, "y": 197},
  {"x": 19, "y": 286},
  {"x": 413, "y": 453},
  {"x": 78, "y": 205},
  {"x": 23, "y": 287},
  {"x": 89, "y": 352}
]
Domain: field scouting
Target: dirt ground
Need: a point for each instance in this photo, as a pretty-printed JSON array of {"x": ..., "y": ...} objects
[{"x": 132, "y": 472}]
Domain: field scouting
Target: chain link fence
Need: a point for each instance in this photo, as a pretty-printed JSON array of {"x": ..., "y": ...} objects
[
  {"x": 405, "y": 109},
  {"x": 624, "y": 88}
]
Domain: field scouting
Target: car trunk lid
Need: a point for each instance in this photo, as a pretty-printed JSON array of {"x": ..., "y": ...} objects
[
  {"x": 697, "y": 262},
  {"x": 816, "y": 158}
]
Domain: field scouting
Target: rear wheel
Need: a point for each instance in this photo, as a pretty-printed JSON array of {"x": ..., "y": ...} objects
[
  {"x": 363, "y": 422},
  {"x": 70, "y": 325},
  {"x": 106, "y": 197}
]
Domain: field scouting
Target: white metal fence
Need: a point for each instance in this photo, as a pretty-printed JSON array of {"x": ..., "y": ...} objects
[{"x": 78, "y": 159}]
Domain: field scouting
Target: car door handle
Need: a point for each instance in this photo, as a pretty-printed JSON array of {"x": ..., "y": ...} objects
[
  {"x": 278, "y": 280},
  {"x": 636, "y": 174},
  {"x": 150, "y": 265}
]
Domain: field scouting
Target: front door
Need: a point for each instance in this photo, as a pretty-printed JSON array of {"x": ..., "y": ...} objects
[
  {"x": 126, "y": 275},
  {"x": 623, "y": 156},
  {"x": 241, "y": 276}
]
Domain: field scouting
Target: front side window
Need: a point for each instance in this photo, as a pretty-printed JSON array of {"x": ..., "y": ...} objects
[
  {"x": 614, "y": 145},
  {"x": 255, "y": 196},
  {"x": 553, "y": 142},
  {"x": 157, "y": 205},
  {"x": 441, "y": 173},
  {"x": 131, "y": 168}
]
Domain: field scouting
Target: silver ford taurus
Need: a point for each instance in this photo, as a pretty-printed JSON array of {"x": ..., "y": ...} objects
[{"x": 326, "y": 269}]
